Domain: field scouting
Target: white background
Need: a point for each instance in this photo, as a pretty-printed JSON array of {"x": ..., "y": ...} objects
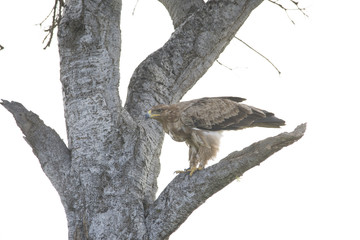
[{"x": 309, "y": 190}]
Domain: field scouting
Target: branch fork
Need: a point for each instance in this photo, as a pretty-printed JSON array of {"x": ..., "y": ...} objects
[
  {"x": 106, "y": 182},
  {"x": 183, "y": 194}
]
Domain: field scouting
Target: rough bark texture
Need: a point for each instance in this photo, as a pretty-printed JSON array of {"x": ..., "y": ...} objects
[
  {"x": 180, "y": 10},
  {"x": 167, "y": 74},
  {"x": 107, "y": 175}
]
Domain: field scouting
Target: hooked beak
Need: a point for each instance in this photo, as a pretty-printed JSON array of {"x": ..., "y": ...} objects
[
  {"x": 148, "y": 115},
  {"x": 151, "y": 115}
]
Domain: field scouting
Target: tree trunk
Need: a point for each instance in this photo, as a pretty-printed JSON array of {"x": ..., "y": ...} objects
[
  {"x": 107, "y": 175},
  {"x": 111, "y": 181}
]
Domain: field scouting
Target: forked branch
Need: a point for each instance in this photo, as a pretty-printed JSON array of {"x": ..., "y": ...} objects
[
  {"x": 167, "y": 74},
  {"x": 184, "y": 194}
]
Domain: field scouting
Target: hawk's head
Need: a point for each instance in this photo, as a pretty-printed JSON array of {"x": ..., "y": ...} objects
[{"x": 163, "y": 112}]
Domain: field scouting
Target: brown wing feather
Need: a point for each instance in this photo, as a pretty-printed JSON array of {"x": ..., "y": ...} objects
[
  {"x": 225, "y": 113},
  {"x": 213, "y": 113},
  {"x": 235, "y": 99}
]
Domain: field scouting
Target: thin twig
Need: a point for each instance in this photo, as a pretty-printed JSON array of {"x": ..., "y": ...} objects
[
  {"x": 56, "y": 13},
  {"x": 133, "y": 12},
  {"x": 224, "y": 65},
  {"x": 302, "y": 10},
  {"x": 259, "y": 54}
]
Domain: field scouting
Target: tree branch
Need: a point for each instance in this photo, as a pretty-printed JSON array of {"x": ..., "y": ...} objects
[
  {"x": 180, "y": 10},
  {"x": 184, "y": 194},
  {"x": 167, "y": 74},
  {"x": 47, "y": 145}
]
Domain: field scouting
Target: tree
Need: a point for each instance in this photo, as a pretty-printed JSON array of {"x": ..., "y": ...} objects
[{"x": 107, "y": 175}]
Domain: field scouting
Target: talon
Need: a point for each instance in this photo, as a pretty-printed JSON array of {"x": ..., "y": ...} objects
[
  {"x": 194, "y": 169},
  {"x": 182, "y": 171},
  {"x": 190, "y": 170}
]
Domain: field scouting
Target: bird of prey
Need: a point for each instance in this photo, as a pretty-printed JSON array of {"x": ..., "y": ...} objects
[{"x": 200, "y": 123}]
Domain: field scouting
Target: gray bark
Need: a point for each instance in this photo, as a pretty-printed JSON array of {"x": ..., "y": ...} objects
[
  {"x": 48, "y": 147},
  {"x": 107, "y": 175},
  {"x": 180, "y": 10},
  {"x": 167, "y": 74}
]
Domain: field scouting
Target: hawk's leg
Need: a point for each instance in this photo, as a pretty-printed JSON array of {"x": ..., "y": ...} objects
[
  {"x": 193, "y": 159},
  {"x": 206, "y": 152}
]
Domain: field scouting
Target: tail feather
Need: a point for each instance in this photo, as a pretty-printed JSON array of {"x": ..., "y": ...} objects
[{"x": 270, "y": 121}]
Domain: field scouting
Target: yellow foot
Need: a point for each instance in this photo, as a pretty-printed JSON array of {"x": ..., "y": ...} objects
[
  {"x": 181, "y": 171},
  {"x": 191, "y": 170}
]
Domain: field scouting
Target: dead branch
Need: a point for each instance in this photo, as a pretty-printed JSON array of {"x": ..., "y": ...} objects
[
  {"x": 46, "y": 144},
  {"x": 56, "y": 13}
]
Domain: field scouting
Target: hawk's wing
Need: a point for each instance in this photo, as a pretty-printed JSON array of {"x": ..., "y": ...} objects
[{"x": 225, "y": 113}]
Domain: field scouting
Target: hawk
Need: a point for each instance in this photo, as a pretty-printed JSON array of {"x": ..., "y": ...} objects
[{"x": 200, "y": 123}]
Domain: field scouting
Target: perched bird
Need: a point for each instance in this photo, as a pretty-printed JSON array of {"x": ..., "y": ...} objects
[{"x": 200, "y": 123}]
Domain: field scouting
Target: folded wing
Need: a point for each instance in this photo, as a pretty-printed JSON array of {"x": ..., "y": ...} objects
[{"x": 226, "y": 113}]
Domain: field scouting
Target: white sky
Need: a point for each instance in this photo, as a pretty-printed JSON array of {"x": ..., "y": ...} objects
[{"x": 309, "y": 190}]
